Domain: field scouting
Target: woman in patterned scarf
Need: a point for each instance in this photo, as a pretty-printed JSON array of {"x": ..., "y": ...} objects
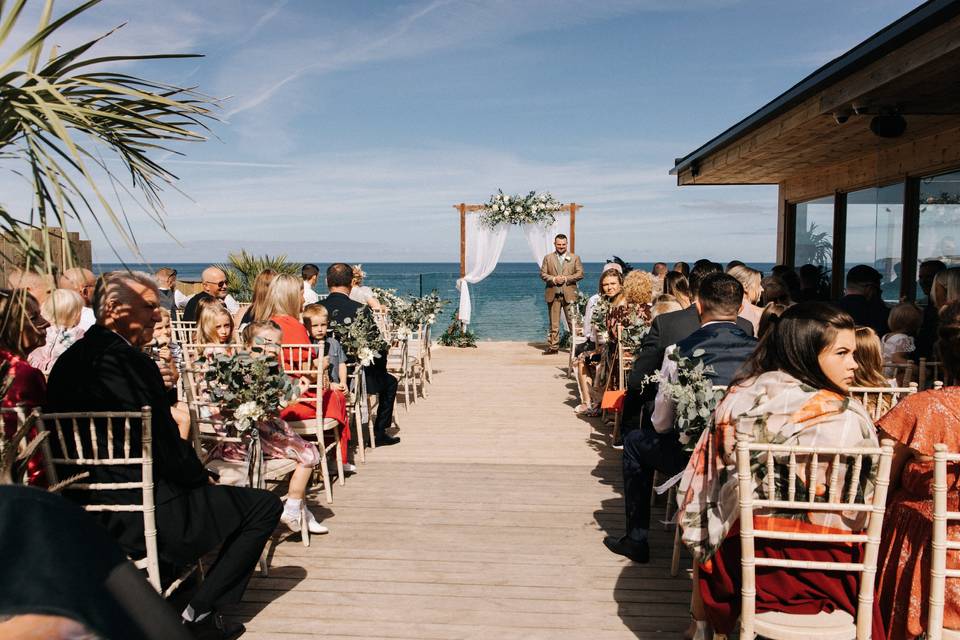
[{"x": 792, "y": 391}]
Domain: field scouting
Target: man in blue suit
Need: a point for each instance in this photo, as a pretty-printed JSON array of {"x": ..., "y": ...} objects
[{"x": 725, "y": 346}]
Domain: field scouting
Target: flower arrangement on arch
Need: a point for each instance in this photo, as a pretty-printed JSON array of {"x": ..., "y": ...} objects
[{"x": 533, "y": 208}]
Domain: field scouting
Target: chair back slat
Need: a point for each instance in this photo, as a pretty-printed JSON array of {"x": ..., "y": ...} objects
[
  {"x": 871, "y": 506},
  {"x": 940, "y": 543}
]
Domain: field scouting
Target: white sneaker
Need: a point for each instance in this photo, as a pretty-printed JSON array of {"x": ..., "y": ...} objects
[
  {"x": 292, "y": 521},
  {"x": 349, "y": 467}
]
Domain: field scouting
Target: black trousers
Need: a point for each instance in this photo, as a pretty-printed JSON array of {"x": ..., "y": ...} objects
[
  {"x": 385, "y": 386},
  {"x": 237, "y": 519},
  {"x": 644, "y": 452}
]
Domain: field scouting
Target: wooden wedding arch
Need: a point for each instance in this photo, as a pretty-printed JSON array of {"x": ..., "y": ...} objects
[{"x": 463, "y": 208}]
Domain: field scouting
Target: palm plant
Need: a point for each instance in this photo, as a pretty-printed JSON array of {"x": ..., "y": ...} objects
[
  {"x": 66, "y": 121},
  {"x": 242, "y": 269}
]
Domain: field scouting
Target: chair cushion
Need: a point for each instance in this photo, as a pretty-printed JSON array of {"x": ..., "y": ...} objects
[{"x": 838, "y": 625}]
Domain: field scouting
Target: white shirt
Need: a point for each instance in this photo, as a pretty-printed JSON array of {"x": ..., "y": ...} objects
[
  {"x": 180, "y": 298},
  {"x": 361, "y": 294},
  {"x": 309, "y": 295},
  {"x": 232, "y": 305},
  {"x": 87, "y": 318},
  {"x": 588, "y": 330},
  {"x": 664, "y": 409}
]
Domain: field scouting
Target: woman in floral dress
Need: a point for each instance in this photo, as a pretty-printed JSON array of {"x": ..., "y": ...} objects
[{"x": 792, "y": 391}]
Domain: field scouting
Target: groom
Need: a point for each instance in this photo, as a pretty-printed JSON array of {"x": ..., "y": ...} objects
[{"x": 560, "y": 272}]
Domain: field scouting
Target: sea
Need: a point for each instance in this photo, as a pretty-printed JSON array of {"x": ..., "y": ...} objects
[{"x": 507, "y": 306}]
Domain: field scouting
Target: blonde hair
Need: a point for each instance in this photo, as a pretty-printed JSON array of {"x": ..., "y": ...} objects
[
  {"x": 869, "y": 357},
  {"x": 638, "y": 287},
  {"x": 313, "y": 313},
  {"x": 207, "y": 323},
  {"x": 260, "y": 287},
  {"x": 905, "y": 318},
  {"x": 664, "y": 303},
  {"x": 254, "y": 329},
  {"x": 950, "y": 281},
  {"x": 62, "y": 308},
  {"x": 284, "y": 298},
  {"x": 750, "y": 279}
]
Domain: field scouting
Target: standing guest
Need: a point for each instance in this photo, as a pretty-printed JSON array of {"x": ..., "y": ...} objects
[
  {"x": 796, "y": 385},
  {"x": 811, "y": 284},
  {"x": 560, "y": 272},
  {"x": 775, "y": 290},
  {"x": 682, "y": 267},
  {"x": 214, "y": 285},
  {"x": 342, "y": 310},
  {"x": 107, "y": 371},
  {"x": 260, "y": 286},
  {"x": 917, "y": 423},
  {"x": 862, "y": 299},
  {"x": 83, "y": 282},
  {"x": 22, "y": 330},
  {"x": 752, "y": 290},
  {"x": 676, "y": 285},
  {"x": 771, "y": 314},
  {"x": 63, "y": 311},
  {"x": 310, "y": 273},
  {"x": 899, "y": 346},
  {"x": 659, "y": 271},
  {"x": 719, "y": 344},
  {"x": 39, "y": 285},
  {"x": 362, "y": 293},
  {"x": 927, "y": 335}
]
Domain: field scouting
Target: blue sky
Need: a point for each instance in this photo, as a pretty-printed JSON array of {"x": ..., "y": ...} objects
[{"x": 349, "y": 129}]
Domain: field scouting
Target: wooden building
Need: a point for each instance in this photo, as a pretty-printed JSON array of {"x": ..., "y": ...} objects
[
  {"x": 65, "y": 251},
  {"x": 866, "y": 153}
]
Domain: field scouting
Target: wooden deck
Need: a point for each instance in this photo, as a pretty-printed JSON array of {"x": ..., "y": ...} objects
[{"x": 485, "y": 522}]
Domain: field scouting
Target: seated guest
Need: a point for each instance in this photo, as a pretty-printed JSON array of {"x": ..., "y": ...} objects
[
  {"x": 869, "y": 371},
  {"x": 62, "y": 310},
  {"x": 665, "y": 330},
  {"x": 609, "y": 288},
  {"x": 83, "y": 282},
  {"x": 796, "y": 383},
  {"x": 106, "y": 371},
  {"x": 789, "y": 277},
  {"x": 168, "y": 355},
  {"x": 927, "y": 335},
  {"x": 214, "y": 287},
  {"x": 682, "y": 267},
  {"x": 214, "y": 325},
  {"x": 862, "y": 299},
  {"x": 811, "y": 284},
  {"x": 379, "y": 382},
  {"x": 28, "y": 387},
  {"x": 752, "y": 290},
  {"x": 171, "y": 298},
  {"x": 664, "y": 303},
  {"x": 310, "y": 273},
  {"x": 775, "y": 290},
  {"x": 634, "y": 307},
  {"x": 360, "y": 293},
  {"x": 724, "y": 347},
  {"x": 658, "y": 272},
  {"x": 916, "y": 424},
  {"x": 899, "y": 346},
  {"x": 260, "y": 286},
  {"x": 38, "y": 285},
  {"x": 771, "y": 314},
  {"x": 677, "y": 285},
  {"x": 732, "y": 264}
]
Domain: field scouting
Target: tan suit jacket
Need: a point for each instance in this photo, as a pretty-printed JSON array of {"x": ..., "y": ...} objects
[{"x": 572, "y": 269}]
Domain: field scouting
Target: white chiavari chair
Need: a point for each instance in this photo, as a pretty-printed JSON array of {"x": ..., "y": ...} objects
[
  {"x": 940, "y": 545},
  {"x": 359, "y": 409},
  {"x": 416, "y": 359},
  {"x": 577, "y": 338},
  {"x": 184, "y": 332},
  {"x": 803, "y": 464},
  {"x": 878, "y": 400},
  {"x": 927, "y": 372},
  {"x": 398, "y": 363},
  {"x": 81, "y": 442}
]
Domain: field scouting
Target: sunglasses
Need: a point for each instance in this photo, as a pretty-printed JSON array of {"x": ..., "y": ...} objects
[{"x": 220, "y": 285}]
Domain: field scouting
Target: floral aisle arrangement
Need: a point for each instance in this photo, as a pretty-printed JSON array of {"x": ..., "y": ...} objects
[
  {"x": 427, "y": 308},
  {"x": 694, "y": 395},
  {"x": 458, "y": 335},
  {"x": 361, "y": 338},
  {"x": 407, "y": 314},
  {"x": 635, "y": 329},
  {"x": 533, "y": 208},
  {"x": 248, "y": 388},
  {"x": 599, "y": 318}
]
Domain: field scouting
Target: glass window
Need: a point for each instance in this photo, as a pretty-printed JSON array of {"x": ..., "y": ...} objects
[
  {"x": 939, "y": 231},
  {"x": 814, "y": 233},
  {"x": 875, "y": 233}
]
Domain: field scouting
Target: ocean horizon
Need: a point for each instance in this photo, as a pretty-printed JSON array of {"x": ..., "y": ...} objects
[{"x": 507, "y": 306}]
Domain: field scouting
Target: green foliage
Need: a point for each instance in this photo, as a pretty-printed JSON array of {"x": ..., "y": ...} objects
[
  {"x": 533, "y": 208},
  {"x": 248, "y": 387},
  {"x": 599, "y": 316},
  {"x": 406, "y": 314},
  {"x": 243, "y": 268},
  {"x": 458, "y": 335},
  {"x": 68, "y": 120},
  {"x": 361, "y": 338},
  {"x": 635, "y": 329}
]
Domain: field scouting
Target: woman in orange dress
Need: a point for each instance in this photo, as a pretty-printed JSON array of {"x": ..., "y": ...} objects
[{"x": 917, "y": 423}]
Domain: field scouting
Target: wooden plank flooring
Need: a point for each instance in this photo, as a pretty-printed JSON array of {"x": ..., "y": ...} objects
[{"x": 485, "y": 522}]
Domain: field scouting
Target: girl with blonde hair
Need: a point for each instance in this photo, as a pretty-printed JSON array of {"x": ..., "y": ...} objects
[
  {"x": 62, "y": 310},
  {"x": 215, "y": 325},
  {"x": 752, "y": 290}
]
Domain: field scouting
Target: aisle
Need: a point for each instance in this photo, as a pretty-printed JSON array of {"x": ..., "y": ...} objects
[{"x": 485, "y": 522}]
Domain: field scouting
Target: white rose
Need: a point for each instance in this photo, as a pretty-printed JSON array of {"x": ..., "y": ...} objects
[{"x": 366, "y": 356}]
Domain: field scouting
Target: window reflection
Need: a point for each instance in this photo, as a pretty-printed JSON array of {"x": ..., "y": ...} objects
[
  {"x": 814, "y": 233},
  {"x": 939, "y": 230},
  {"x": 875, "y": 233}
]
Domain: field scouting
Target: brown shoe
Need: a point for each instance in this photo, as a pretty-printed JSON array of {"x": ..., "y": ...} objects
[{"x": 550, "y": 352}]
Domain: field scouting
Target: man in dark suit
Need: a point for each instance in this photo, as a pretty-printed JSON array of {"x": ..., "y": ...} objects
[
  {"x": 725, "y": 346},
  {"x": 667, "y": 329},
  {"x": 107, "y": 370},
  {"x": 863, "y": 299},
  {"x": 340, "y": 308}
]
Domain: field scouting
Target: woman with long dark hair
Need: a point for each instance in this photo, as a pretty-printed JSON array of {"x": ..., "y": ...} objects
[
  {"x": 677, "y": 285},
  {"x": 794, "y": 389}
]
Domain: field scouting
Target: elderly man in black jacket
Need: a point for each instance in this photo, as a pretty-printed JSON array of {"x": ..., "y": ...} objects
[{"x": 107, "y": 370}]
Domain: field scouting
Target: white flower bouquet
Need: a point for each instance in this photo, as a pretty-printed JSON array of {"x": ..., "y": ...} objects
[{"x": 534, "y": 208}]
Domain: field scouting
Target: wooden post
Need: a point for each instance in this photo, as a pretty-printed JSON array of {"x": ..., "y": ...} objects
[
  {"x": 463, "y": 239},
  {"x": 573, "y": 227}
]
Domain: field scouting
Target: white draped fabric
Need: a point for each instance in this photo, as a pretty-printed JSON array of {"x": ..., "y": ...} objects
[
  {"x": 484, "y": 246},
  {"x": 540, "y": 237}
]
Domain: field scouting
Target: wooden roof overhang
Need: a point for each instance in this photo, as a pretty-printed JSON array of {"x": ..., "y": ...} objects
[{"x": 816, "y": 139}]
